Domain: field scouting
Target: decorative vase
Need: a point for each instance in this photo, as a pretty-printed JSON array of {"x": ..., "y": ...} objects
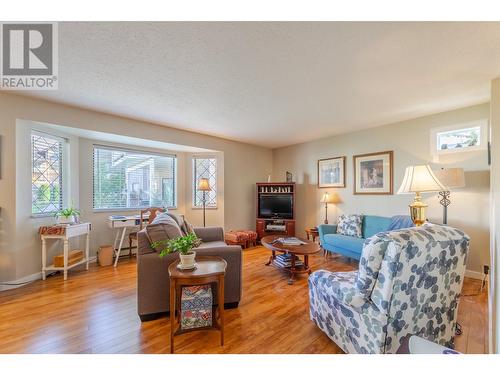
[
  {"x": 66, "y": 220},
  {"x": 187, "y": 260}
]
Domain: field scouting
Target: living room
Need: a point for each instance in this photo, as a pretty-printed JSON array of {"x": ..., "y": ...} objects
[{"x": 250, "y": 188}]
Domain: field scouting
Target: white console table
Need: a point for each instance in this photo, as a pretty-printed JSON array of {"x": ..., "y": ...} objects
[{"x": 82, "y": 229}]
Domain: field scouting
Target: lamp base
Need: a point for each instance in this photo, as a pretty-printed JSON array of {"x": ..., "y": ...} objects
[{"x": 417, "y": 210}]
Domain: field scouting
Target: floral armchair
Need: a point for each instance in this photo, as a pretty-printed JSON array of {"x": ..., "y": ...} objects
[{"x": 409, "y": 281}]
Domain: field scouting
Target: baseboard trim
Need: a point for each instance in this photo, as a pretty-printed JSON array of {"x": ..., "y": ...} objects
[
  {"x": 37, "y": 276},
  {"x": 474, "y": 274},
  {"x": 29, "y": 279},
  {"x": 22, "y": 281}
]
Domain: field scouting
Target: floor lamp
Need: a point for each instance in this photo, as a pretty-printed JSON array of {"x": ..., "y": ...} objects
[
  {"x": 204, "y": 186},
  {"x": 326, "y": 199},
  {"x": 451, "y": 178}
]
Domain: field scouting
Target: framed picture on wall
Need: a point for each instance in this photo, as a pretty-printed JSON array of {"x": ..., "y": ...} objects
[
  {"x": 331, "y": 172},
  {"x": 373, "y": 173}
]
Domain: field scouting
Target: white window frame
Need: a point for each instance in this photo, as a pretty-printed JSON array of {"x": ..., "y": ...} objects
[
  {"x": 194, "y": 182},
  {"x": 483, "y": 140},
  {"x": 64, "y": 173},
  {"x": 131, "y": 150}
]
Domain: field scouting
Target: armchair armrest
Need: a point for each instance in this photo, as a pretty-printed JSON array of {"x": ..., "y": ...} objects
[
  {"x": 210, "y": 234},
  {"x": 340, "y": 285},
  {"x": 326, "y": 229}
]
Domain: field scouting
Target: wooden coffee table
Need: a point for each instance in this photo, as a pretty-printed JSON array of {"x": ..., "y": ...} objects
[
  {"x": 305, "y": 250},
  {"x": 209, "y": 269}
]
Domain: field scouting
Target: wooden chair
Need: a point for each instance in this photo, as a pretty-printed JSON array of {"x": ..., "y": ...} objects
[{"x": 152, "y": 212}]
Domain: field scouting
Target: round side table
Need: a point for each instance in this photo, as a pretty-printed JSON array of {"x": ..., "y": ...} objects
[
  {"x": 209, "y": 270},
  {"x": 313, "y": 232}
]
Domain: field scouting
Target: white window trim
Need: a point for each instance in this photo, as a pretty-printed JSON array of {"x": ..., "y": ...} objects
[
  {"x": 483, "y": 143},
  {"x": 65, "y": 178},
  {"x": 193, "y": 181},
  {"x": 131, "y": 149}
]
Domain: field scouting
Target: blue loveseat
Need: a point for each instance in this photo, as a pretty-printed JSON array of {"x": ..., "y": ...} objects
[{"x": 352, "y": 246}]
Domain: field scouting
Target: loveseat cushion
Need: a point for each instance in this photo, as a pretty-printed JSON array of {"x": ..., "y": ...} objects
[
  {"x": 375, "y": 224},
  {"x": 350, "y": 225},
  {"x": 344, "y": 242}
]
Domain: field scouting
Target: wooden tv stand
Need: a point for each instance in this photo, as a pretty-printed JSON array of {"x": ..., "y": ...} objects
[
  {"x": 270, "y": 188},
  {"x": 262, "y": 231}
]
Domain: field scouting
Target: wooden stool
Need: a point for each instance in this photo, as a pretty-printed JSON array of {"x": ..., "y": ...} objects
[{"x": 209, "y": 270}]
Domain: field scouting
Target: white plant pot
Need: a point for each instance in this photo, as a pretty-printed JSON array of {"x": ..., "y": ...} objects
[
  {"x": 187, "y": 260},
  {"x": 66, "y": 220}
]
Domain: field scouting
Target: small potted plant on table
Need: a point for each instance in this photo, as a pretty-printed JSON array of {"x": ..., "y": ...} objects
[
  {"x": 67, "y": 216},
  {"x": 184, "y": 245}
]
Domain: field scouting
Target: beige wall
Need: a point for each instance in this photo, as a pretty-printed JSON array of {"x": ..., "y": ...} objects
[
  {"x": 19, "y": 247},
  {"x": 494, "y": 296},
  {"x": 410, "y": 142}
]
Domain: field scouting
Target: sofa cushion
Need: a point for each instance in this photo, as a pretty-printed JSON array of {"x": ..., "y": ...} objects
[
  {"x": 162, "y": 228},
  {"x": 345, "y": 242},
  {"x": 375, "y": 224},
  {"x": 350, "y": 225},
  {"x": 209, "y": 245}
]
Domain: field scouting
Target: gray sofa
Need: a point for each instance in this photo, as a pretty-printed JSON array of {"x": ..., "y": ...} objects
[{"x": 153, "y": 283}]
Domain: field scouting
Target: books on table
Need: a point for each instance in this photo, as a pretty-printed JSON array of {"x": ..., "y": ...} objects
[
  {"x": 285, "y": 260},
  {"x": 291, "y": 241}
]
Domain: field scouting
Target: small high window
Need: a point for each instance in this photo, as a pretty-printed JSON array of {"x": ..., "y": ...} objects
[{"x": 464, "y": 137}]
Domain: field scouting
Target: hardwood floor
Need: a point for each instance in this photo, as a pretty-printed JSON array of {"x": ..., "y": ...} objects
[{"x": 95, "y": 312}]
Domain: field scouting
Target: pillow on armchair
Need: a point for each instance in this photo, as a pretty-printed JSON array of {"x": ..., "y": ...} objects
[{"x": 350, "y": 225}]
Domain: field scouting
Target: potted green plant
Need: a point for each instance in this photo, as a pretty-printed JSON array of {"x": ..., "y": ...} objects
[
  {"x": 183, "y": 245},
  {"x": 67, "y": 216}
]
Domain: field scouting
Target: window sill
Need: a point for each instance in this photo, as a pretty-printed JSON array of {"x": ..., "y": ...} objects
[
  {"x": 137, "y": 209},
  {"x": 206, "y": 208},
  {"x": 42, "y": 216}
]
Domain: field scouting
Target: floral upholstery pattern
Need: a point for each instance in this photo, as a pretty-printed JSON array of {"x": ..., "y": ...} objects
[
  {"x": 235, "y": 237},
  {"x": 196, "y": 306},
  {"x": 408, "y": 281},
  {"x": 350, "y": 225}
]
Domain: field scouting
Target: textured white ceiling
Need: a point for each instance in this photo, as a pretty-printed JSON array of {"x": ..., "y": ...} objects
[{"x": 275, "y": 84}]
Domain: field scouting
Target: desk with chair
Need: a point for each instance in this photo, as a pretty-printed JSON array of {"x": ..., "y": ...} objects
[{"x": 120, "y": 223}]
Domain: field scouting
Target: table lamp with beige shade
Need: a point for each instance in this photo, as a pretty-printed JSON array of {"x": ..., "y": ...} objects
[
  {"x": 451, "y": 178},
  {"x": 329, "y": 198},
  {"x": 419, "y": 179}
]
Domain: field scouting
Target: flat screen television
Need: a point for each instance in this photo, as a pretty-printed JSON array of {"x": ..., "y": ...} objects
[{"x": 278, "y": 206}]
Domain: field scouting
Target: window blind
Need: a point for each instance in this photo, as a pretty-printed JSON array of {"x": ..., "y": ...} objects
[{"x": 133, "y": 179}]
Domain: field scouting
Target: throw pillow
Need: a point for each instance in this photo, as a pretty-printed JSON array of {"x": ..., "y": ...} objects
[
  {"x": 350, "y": 225},
  {"x": 186, "y": 228},
  {"x": 162, "y": 228},
  {"x": 161, "y": 217}
]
